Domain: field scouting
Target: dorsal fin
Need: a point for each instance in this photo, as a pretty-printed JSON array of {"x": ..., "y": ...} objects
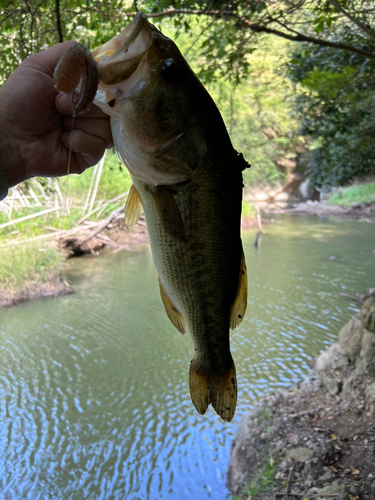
[
  {"x": 238, "y": 309},
  {"x": 173, "y": 313},
  {"x": 133, "y": 208}
]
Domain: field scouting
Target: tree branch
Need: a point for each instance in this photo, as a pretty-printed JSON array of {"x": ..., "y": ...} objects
[
  {"x": 352, "y": 18},
  {"x": 257, "y": 28},
  {"x": 58, "y": 21}
]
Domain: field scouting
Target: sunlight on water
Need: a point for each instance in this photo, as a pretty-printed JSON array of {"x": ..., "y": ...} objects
[{"x": 97, "y": 405}]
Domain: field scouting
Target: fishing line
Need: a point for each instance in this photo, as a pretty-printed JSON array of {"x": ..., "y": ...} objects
[{"x": 63, "y": 230}]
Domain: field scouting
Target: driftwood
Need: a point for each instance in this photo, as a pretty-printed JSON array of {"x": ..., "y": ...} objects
[
  {"x": 103, "y": 206},
  {"x": 351, "y": 297},
  {"x": 77, "y": 245},
  {"x": 360, "y": 297},
  {"x": 102, "y": 225}
]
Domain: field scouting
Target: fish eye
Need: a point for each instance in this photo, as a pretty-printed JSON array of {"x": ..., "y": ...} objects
[{"x": 170, "y": 71}]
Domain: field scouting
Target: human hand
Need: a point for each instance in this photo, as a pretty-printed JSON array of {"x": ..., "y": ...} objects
[{"x": 36, "y": 124}]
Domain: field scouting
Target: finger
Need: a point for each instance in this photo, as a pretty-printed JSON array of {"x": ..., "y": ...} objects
[
  {"x": 96, "y": 127},
  {"x": 91, "y": 148},
  {"x": 64, "y": 105}
]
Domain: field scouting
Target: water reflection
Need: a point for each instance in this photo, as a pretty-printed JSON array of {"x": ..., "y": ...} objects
[{"x": 94, "y": 398}]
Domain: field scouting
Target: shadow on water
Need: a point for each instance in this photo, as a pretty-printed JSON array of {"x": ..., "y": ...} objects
[{"x": 94, "y": 396}]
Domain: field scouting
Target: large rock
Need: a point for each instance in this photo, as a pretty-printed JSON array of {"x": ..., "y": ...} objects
[
  {"x": 331, "y": 359},
  {"x": 350, "y": 337},
  {"x": 331, "y": 366},
  {"x": 368, "y": 345},
  {"x": 368, "y": 313},
  {"x": 243, "y": 460}
]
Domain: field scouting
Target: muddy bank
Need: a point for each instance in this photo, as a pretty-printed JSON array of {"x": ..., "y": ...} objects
[
  {"x": 33, "y": 291},
  {"x": 315, "y": 440},
  {"x": 322, "y": 209}
]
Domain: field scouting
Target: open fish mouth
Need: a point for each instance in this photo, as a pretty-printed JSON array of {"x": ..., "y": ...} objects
[{"x": 119, "y": 58}]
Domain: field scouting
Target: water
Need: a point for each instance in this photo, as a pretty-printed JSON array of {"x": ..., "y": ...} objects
[{"x": 94, "y": 398}]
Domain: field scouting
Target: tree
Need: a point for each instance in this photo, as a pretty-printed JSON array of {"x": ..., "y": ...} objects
[
  {"x": 229, "y": 32},
  {"x": 224, "y": 35},
  {"x": 336, "y": 105}
]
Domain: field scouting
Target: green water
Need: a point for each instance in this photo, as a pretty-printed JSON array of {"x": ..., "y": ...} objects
[{"x": 94, "y": 397}]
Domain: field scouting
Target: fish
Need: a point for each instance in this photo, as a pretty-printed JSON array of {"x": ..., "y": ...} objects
[{"x": 187, "y": 180}]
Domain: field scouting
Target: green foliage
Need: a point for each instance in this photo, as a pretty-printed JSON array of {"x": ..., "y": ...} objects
[
  {"x": 262, "y": 482},
  {"x": 257, "y": 113},
  {"x": 364, "y": 193},
  {"x": 248, "y": 209},
  {"x": 335, "y": 103},
  {"x": 113, "y": 182},
  {"x": 115, "y": 179},
  {"x": 31, "y": 264}
]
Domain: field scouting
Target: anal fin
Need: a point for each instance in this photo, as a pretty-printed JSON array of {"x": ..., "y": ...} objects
[
  {"x": 173, "y": 313},
  {"x": 238, "y": 309},
  {"x": 133, "y": 208},
  {"x": 220, "y": 389}
]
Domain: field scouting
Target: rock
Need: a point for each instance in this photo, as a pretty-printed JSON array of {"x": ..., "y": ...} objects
[
  {"x": 350, "y": 338},
  {"x": 368, "y": 313},
  {"x": 353, "y": 490},
  {"x": 368, "y": 344},
  {"x": 332, "y": 386},
  {"x": 327, "y": 477},
  {"x": 370, "y": 398},
  {"x": 280, "y": 445},
  {"x": 333, "y": 489},
  {"x": 331, "y": 359},
  {"x": 299, "y": 454}
]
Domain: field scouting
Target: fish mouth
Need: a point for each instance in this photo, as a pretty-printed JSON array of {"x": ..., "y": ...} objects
[{"x": 119, "y": 58}]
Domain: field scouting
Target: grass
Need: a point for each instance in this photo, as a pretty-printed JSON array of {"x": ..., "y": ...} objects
[
  {"x": 27, "y": 267},
  {"x": 248, "y": 209},
  {"x": 364, "y": 193},
  {"x": 262, "y": 482}
]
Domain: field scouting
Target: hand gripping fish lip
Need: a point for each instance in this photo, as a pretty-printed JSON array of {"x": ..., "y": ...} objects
[
  {"x": 80, "y": 71},
  {"x": 77, "y": 67}
]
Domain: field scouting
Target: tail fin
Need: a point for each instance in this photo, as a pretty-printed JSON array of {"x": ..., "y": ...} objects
[{"x": 220, "y": 389}]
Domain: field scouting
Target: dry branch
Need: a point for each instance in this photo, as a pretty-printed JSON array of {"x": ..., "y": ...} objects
[{"x": 27, "y": 217}]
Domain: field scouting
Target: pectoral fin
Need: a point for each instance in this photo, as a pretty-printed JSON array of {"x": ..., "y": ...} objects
[
  {"x": 238, "y": 308},
  {"x": 173, "y": 313},
  {"x": 169, "y": 212},
  {"x": 220, "y": 389},
  {"x": 133, "y": 208}
]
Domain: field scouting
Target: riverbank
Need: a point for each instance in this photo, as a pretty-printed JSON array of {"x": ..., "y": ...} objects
[
  {"x": 315, "y": 440},
  {"x": 114, "y": 237},
  {"x": 324, "y": 209}
]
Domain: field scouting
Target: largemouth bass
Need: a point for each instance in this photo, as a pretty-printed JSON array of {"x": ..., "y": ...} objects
[{"x": 187, "y": 179}]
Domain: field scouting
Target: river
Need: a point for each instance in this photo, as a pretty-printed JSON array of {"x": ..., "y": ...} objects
[{"x": 94, "y": 396}]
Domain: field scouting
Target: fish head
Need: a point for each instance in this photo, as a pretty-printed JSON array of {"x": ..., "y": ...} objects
[{"x": 148, "y": 89}]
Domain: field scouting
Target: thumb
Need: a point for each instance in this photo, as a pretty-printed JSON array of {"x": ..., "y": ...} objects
[{"x": 47, "y": 60}]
